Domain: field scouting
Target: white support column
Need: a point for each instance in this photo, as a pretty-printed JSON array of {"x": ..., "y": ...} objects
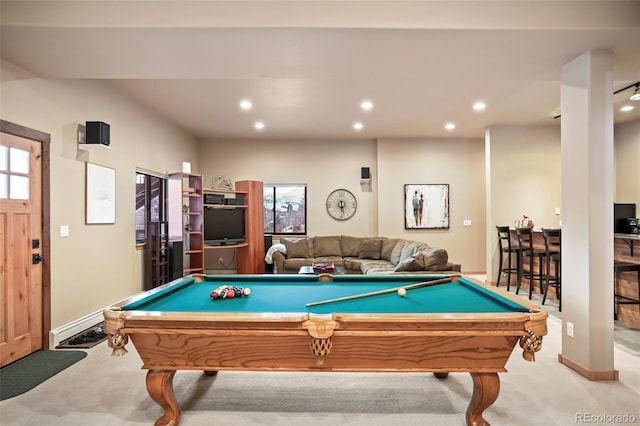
[{"x": 587, "y": 202}]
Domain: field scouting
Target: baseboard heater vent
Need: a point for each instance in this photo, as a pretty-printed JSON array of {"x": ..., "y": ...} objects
[{"x": 64, "y": 332}]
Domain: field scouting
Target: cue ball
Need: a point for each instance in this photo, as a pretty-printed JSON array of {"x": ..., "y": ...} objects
[{"x": 402, "y": 292}]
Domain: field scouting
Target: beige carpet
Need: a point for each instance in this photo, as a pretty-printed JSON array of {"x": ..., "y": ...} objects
[{"x": 101, "y": 390}]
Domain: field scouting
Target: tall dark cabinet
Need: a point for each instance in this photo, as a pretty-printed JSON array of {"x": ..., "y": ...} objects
[{"x": 157, "y": 253}]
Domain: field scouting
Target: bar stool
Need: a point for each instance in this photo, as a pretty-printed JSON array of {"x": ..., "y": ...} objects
[
  {"x": 508, "y": 249},
  {"x": 620, "y": 299},
  {"x": 552, "y": 246},
  {"x": 525, "y": 242}
]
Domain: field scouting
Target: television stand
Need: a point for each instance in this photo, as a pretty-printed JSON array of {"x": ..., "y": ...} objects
[{"x": 224, "y": 246}]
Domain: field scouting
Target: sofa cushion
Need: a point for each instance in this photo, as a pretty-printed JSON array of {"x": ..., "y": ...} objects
[
  {"x": 411, "y": 263},
  {"x": 396, "y": 252},
  {"x": 370, "y": 248},
  {"x": 370, "y": 266},
  {"x": 353, "y": 263},
  {"x": 327, "y": 246},
  {"x": 387, "y": 247},
  {"x": 296, "y": 247},
  {"x": 409, "y": 249},
  {"x": 435, "y": 259},
  {"x": 350, "y": 246},
  {"x": 293, "y": 265},
  {"x": 336, "y": 260}
]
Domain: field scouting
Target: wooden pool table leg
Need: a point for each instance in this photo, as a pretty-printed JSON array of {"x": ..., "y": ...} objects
[
  {"x": 486, "y": 387},
  {"x": 160, "y": 388}
]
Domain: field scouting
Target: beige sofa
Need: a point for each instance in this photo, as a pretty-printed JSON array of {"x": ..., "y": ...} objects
[{"x": 359, "y": 255}]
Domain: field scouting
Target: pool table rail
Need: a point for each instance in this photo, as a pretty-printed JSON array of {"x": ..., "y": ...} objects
[{"x": 318, "y": 330}]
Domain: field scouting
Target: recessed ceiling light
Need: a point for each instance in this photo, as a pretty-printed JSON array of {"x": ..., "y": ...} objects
[
  {"x": 449, "y": 126},
  {"x": 246, "y": 105},
  {"x": 479, "y": 106},
  {"x": 366, "y": 105},
  {"x": 259, "y": 125},
  {"x": 626, "y": 108},
  {"x": 358, "y": 125}
]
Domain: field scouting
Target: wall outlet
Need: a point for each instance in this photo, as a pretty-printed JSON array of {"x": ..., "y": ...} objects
[
  {"x": 64, "y": 231},
  {"x": 557, "y": 210},
  {"x": 569, "y": 329},
  {"x": 221, "y": 259}
]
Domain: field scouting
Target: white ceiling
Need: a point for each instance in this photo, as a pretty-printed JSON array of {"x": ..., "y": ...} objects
[{"x": 307, "y": 65}]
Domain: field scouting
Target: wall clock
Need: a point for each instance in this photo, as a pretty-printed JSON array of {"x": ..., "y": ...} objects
[{"x": 341, "y": 204}]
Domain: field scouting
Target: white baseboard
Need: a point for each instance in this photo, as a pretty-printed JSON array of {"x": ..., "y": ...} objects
[{"x": 57, "y": 335}]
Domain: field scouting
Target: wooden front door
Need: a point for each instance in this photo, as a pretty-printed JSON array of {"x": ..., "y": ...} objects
[{"x": 21, "y": 247}]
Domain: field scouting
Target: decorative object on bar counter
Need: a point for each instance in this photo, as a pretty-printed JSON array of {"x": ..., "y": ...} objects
[{"x": 526, "y": 222}]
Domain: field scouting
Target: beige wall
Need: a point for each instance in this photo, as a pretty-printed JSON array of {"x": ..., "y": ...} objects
[
  {"x": 626, "y": 155},
  {"x": 323, "y": 165},
  {"x": 523, "y": 177},
  {"x": 97, "y": 264},
  {"x": 456, "y": 162},
  {"x": 328, "y": 165}
]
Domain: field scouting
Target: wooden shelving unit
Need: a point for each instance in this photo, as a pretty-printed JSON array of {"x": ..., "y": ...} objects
[
  {"x": 226, "y": 193},
  {"x": 186, "y": 221},
  {"x": 250, "y": 254},
  {"x": 157, "y": 253}
]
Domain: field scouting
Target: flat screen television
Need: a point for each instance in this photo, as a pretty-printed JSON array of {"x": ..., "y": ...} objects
[{"x": 223, "y": 226}]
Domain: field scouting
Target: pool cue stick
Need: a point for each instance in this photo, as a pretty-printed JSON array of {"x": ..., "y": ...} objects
[{"x": 388, "y": 290}]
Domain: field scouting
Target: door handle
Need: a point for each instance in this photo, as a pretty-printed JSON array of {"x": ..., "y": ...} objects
[{"x": 36, "y": 258}]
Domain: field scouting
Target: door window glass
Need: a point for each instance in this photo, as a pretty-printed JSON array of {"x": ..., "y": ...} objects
[
  {"x": 14, "y": 173},
  {"x": 19, "y": 187},
  {"x": 19, "y": 161},
  {"x": 4, "y": 186},
  {"x": 4, "y": 157}
]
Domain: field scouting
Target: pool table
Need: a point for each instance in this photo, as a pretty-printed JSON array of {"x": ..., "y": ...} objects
[{"x": 445, "y": 324}]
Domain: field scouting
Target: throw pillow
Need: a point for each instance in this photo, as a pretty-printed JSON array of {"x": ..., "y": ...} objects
[
  {"x": 296, "y": 247},
  {"x": 397, "y": 250},
  {"x": 409, "y": 249},
  {"x": 327, "y": 246},
  {"x": 350, "y": 246},
  {"x": 370, "y": 248},
  {"x": 387, "y": 247},
  {"x": 435, "y": 259},
  {"x": 412, "y": 263}
]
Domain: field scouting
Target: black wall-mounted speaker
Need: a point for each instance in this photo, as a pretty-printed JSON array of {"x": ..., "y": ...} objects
[
  {"x": 97, "y": 132},
  {"x": 365, "y": 173}
]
